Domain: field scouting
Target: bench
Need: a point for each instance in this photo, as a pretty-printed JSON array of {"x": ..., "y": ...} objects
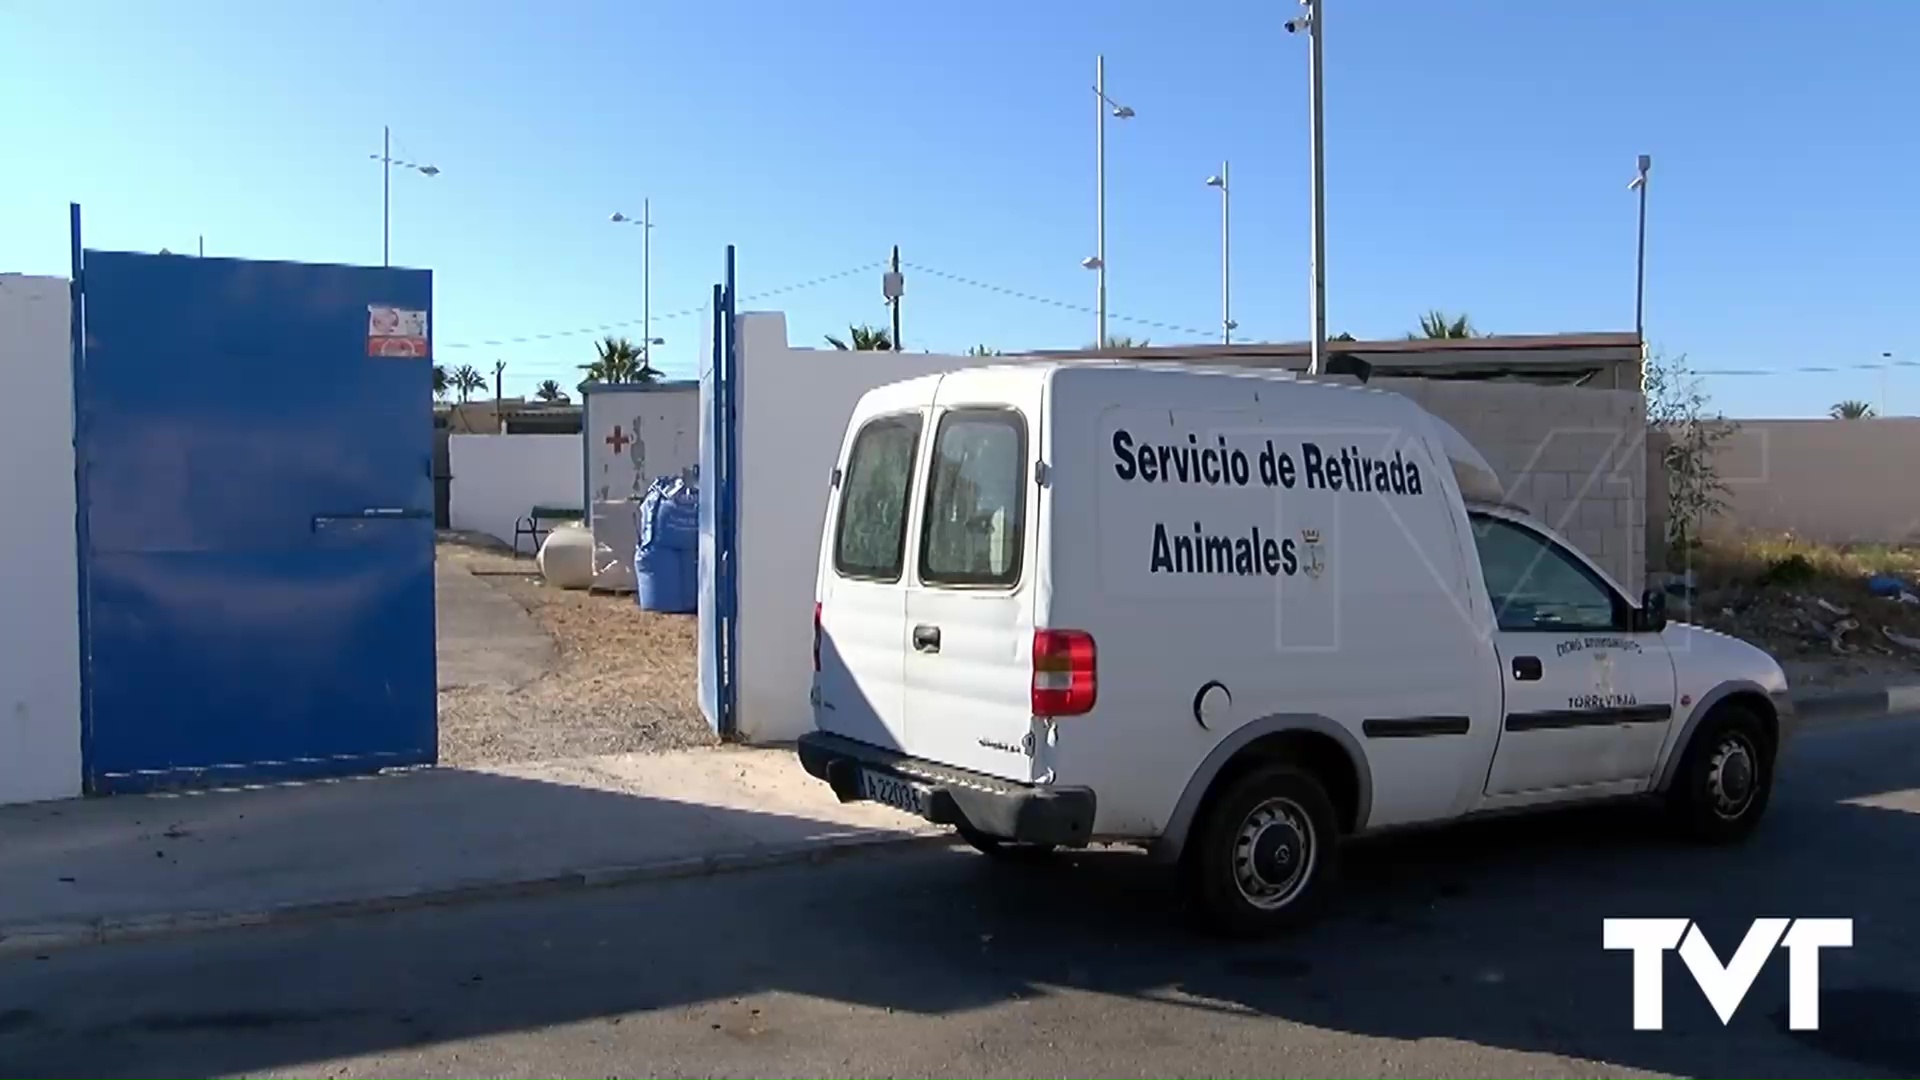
[{"x": 530, "y": 526}]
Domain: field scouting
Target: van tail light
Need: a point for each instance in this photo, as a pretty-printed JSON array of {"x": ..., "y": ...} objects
[
  {"x": 816, "y": 635},
  {"x": 1064, "y": 680}
]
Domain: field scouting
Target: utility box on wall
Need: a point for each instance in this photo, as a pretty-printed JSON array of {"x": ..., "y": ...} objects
[
  {"x": 39, "y": 628},
  {"x": 635, "y": 433}
]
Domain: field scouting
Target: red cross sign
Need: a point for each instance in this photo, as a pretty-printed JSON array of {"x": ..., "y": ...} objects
[{"x": 618, "y": 440}]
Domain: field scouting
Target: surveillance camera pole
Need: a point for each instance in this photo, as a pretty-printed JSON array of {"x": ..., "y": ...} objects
[{"x": 1317, "y": 360}]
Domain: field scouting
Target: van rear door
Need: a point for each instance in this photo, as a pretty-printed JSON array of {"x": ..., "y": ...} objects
[
  {"x": 970, "y": 601},
  {"x": 860, "y": 609}
]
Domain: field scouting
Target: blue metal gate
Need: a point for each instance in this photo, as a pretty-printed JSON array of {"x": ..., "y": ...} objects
[
  {"x": 719, "y": 511},
  {"x": 256, "y": 526}
]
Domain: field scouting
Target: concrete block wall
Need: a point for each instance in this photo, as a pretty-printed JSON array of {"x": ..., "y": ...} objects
[{"x": 1574, "y": 457}]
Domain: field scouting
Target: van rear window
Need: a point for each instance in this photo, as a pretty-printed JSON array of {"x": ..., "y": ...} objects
[
  {"x": 976, "y": 500},
  {"x": 870, "y": 539}
]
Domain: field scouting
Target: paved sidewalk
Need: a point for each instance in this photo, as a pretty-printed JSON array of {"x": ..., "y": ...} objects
[
  {"x": 483, "y": 638},
  {"x": 93, "y": 870}
]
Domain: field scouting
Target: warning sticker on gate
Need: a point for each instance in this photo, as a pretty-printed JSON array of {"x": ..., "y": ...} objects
[{"x": 393, "y": 331}]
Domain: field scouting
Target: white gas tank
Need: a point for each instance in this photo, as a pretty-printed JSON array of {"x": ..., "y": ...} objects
[{"x": 566, "y": 558}]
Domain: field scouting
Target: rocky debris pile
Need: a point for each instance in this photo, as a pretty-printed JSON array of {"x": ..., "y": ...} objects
[{"x": 1789, "y": 610}]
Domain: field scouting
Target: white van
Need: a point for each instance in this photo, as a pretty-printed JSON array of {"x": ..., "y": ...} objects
[{"x": 1237, "y": 617}]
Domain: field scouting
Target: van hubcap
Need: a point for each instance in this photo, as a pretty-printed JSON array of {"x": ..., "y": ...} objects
[
  {"x": 1274, "y": 853},
  {"x": 1731, "y": 776}
]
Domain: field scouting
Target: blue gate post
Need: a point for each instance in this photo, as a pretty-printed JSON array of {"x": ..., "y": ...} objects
[
  {"x": 77, "y": 329},
  {"x": 730, "y": 500},
  {"x": 720, "y": 492}
]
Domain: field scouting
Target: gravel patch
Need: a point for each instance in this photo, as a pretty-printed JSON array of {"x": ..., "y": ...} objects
[{"x": 624, "y": 680}]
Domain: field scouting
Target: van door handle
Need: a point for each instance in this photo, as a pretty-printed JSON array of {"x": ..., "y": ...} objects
[
  {"x": 1526, "y": 668},
  {"x": 926, "y": 638}
]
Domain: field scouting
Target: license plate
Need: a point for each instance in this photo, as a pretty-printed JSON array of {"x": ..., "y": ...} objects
[{"x": 894, "y": 792}]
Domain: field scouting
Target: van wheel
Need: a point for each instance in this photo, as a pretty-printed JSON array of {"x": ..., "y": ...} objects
[
  {"x": 1266, "y": 854},
  {"x": 1725, "y": 779},
  {"x": 1004, "y": 850}
]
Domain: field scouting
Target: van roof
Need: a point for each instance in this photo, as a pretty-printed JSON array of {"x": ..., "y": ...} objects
[{"x": 1478, "y": 481}]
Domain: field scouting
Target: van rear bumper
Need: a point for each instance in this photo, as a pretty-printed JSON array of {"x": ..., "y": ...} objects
[{"x": 958, "y": 797}]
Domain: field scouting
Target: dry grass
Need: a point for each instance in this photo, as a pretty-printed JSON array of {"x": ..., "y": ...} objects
[
  {"x": 1768, "y": 589},
  {"x": 625, "y": 679}
]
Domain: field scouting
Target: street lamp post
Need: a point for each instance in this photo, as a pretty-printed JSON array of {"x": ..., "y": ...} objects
[
  {"x": 1227, "y": 325},
  {"x": 1310, "y": 21},
  {"x": 1098, "y": 261},
  {"x": 387, "y": 162},
  {"x": 645, "y": 224},
  {"x": 1643, "y": 166}
]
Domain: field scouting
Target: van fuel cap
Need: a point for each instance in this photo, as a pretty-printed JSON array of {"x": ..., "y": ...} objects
[{"x": 1212, "y": 705}]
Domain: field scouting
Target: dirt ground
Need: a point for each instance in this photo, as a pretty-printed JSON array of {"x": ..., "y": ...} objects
[
  {"x": 1810, "y": 605},
  {"x": 623, "y": 680}
]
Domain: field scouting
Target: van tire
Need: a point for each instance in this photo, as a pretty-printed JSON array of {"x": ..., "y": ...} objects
[
  {"x": 1010, "y": 851},
  {"x": 1725, "y": 780},
  {"x": 1234, "y": 853}
]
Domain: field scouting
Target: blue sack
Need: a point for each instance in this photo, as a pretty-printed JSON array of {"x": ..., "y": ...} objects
[{"x": 666, "y": 560}]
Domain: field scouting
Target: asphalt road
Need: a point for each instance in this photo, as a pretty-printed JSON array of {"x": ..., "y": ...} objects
[{"x": 1473, "y": 951}]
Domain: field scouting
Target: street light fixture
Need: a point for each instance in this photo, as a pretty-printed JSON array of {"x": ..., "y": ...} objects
[
  {"x": 645, "y": 224},
  {"x": 1098, "y": 261},
  {"x": 387, "y": 162},
  {"x": 1227, "y": 325}
]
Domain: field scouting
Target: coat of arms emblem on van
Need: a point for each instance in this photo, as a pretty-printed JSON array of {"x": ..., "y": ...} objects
[{"x": 1315, "y": 561}]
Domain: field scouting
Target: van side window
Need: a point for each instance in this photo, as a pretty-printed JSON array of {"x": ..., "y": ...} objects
[
  {"x": 976, "y": 500},
  {"x": 870, "y": 539},
  {"x": 1536, "y": 586}
]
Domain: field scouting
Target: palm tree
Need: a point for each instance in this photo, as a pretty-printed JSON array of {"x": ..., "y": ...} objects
[
  {"x": 619, "y": 362},
  {"x": 1120, "y": 341},
  {"x": 864, "y": 338},
  {"x": 1851, "y": 410},
  {"x": 466, "y": 380},
  {"x": 440, "y": 384},
  {"x": 983, "y": 350},
  {"x": 549, "y": 391},
  {"x": 1436, "y": 324}
]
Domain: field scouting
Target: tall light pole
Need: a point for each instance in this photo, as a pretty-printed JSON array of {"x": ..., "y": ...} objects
[
  {"x": 1310, "y": 20},
  {"x": 1644, "y": 166},
  {"x": 387, "y": 162},
  {"x": 645, "y": 224},
  {"x": 1098, "y": 261},
  {"x": 1227, "y": 325}
]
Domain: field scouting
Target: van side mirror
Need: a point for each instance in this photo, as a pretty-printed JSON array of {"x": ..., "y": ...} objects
[{"x": 1651, "y": 616}]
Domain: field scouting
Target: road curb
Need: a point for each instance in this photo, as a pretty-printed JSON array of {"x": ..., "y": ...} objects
[
  {"x": 1858, "y": 703},
  {"x": 37, "y": 938}
]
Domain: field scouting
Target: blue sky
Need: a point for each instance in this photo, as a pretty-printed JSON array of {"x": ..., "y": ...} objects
[{"x": 1478, "y": 156}]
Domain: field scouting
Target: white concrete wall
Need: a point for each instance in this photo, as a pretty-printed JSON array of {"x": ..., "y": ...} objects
[
  {"x": 1573, "y": 456},
  {"x": 659, "y": 435},
  {"x": 794, "y": 405},
  {"x": 39, "y": 615},
  {"x": 1833, "y": 481},
  {"x": 498, "y": 478}
]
